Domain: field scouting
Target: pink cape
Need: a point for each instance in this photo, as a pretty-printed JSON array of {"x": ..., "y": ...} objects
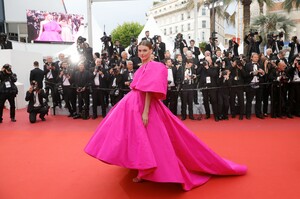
[{"x": 164, "y": 150}]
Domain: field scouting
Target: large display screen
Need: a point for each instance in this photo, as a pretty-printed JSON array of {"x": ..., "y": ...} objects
[{"x": 53, "y": 27}]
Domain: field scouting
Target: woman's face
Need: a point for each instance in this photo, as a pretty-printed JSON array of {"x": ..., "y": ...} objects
[{"x": 144, "y": 53}]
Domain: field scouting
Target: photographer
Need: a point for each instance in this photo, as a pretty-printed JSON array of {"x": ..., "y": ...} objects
[
  {"x": 211, "y": 46},
  {"x": 275, "y": 42},
  {"x": 37, "y": 74},
  {"x": 115, "y": 83},
  {"x": 223, "y": 95},
  {"x": 159, "y": 48},
  {"x": 269, "y": 67},
  {"x": 187, "y": 94},
  {"x": 171, "y": 100},
  {"x": 233, "y": 48},
  {"x": 237, "y": 74},
  {"x": 295, "y": 49},
  {"x": 99, "y": 82},
  {"x": 280, "y": 104},
  {"x": 4, "y": 43},
  {"x": 294, "y": 94},
  {"x": 253, "y": 40},
  {"x": 179, "y": 44},
  {"x": 36, "y": 104},
  {"x": 254, "y": 75},
  {"x": 128, "y": 76},
  {"x": 51, "y": 74},
  {"x": 66, "y": 78},
  {"x": 82, "y": 81},
  {"x": 194, "y": 49},
  {"x": 8, "y": 90},
  {"x": 84, "y": 49},
  {"x": 147, "y": 37},
  {"x": 208, "y": 78},
  {"x": 118, "y": 48}
]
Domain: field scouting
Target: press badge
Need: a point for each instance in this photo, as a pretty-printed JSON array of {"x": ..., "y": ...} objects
[
  {"x": 208, "y": 81},
  {"x": 7, "y": 84}
]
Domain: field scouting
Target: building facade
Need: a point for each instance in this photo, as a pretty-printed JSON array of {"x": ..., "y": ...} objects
[{"x": 173, "y": 17}]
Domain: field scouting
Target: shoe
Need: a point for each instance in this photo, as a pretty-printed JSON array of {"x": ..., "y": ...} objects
[
  {"x": 191, "y": 117},
  {"x": 232, "y": 116},
  {"x": 71, "y": 115},
  {"x": 216, "y": 119},
  {"x": 1, "y": 121},
  {"x": 43, "y": 119},
  {"x": 94, "y": 117},
  {"x": 248, "y": 117},
  {"x": 207, "y": 116},
  {"x": 13, "y": 120},
  {"x": 76, "y": 116},
  {"x": 241, "y": 117},
  {"x": 183, "y": 118},
  {"x": 289, "y": 116},
  {"x": 265, "y": 114},
  {"x": 225, "y": 118},
  {"x": 260, "y": 116}
]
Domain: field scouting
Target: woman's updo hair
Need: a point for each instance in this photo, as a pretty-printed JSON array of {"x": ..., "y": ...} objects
[{"x": 146, "y": 43}]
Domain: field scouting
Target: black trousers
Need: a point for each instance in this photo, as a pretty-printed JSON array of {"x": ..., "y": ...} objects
[
  {"x": 43, "y": 110},
  {"x": 250, "y": 94},
  {"x": 223, "y": 103},
  {"x": 11, "y": 100},
  {"x": 239, "y": 93},
  {"x": 51, "y": 86},
  {"x": 83, "y": 101},
  {"x": 98, "y": 97},
  {"x": 69, "y": 95},
  {"x": 266, "y": 94},
  {"x": 280, "y": 106},
  {"x": 210, "y": 95},
  {"x": 171, "y": 100},
  {"x": 294, "y": 97},
  {"x": 187, "y": 99}
]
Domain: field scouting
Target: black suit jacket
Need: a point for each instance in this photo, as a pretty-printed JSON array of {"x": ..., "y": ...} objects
[
  {"x": 149, "y": 39},
  {"x": 291, "y": 55},
  {"x": 196, "y": 51},
  {"x": 102, "y": 80},
  {"x": 160, "y": 50},
  {"x": 118, "y": 50},
  {"x": 38, "y": 75},
  {"x": 30, "y": 97},
  {"x": 248, "y": 73}
]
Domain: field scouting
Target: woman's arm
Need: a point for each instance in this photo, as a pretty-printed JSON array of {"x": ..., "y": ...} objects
[{"x": 146, "y": 109}]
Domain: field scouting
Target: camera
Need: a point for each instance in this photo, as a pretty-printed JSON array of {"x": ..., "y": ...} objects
[
  {"x": 105, "y": 38},
  {"x": 253, "y": 32},
  {"x": 7, "y": 68},
  {"x": 34, "y": 85},
  {"x": 81, "y": 40}
]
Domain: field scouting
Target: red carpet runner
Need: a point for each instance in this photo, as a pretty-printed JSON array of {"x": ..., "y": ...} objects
[{"x": 46, "y": 161}]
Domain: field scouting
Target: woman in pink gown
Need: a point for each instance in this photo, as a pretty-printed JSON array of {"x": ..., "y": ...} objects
[
  {"x": 49, "y": 30},
  {"x": 141, "y": 133}
]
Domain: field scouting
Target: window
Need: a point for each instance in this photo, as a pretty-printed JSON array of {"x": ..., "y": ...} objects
[
  {"x": 176, "y": 29},
  {"x": 203, "y": 11},
  {"x": 165, "y": 31},
  {"x": 203, "y": 24},
  {"x": 171, "y": 30},
  {"x": 182, "y": 17},
  {"x": 182, "y": 28},
  {"x": 189, "y": 26},
  {"x": 203, "y": 36},
  {"x": 188, "y": 15}
]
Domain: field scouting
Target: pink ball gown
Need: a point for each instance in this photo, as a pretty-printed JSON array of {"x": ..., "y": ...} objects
[
  {"x": 164, "y": 150},
  {"x": 51, "y": 32}
]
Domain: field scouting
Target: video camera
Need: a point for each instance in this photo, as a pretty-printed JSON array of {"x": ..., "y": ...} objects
[
  {"x": 81, "y": 40},
  {"x": 105, "y": 38},
  {"x": 253, "y": 32}
]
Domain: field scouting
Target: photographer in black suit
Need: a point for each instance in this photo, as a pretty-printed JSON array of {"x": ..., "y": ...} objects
[
  {"x": 159, "y": 48},
  {"x": 254, "y": 75},
  {"x": 187, "y": 94},
  {"x": 128, "y": 76},
  {"x": 194, "y": 49},
  {"x": 82, "y": 82},
  {"x": 66, "y": 79},
  {"x": 118, "y": 48},
  {"x": 8, "y": 91},
  {"x": 295, "y": 49},
  {"x": 179, "y": 44},
  {"x": 99, "y": 82},
  {"x": 37, "y": 74},
  {"x": 36, "y": 96},
  {"x": 253, "y": 40},
  {"x": 147, "y": 37}
]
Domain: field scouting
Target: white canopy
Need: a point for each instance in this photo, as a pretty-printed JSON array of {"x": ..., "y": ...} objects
[{"x": 154, "y": 29}]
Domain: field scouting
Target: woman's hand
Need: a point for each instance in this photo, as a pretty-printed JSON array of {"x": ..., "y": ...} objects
[{"x": 145, "y": 118}]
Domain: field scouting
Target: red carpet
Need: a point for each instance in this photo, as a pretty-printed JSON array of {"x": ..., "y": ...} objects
[{"x": 46, "y": 161}]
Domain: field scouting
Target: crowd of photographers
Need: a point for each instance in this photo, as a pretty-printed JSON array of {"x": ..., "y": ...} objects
[{"x": 226, "y": 79}]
